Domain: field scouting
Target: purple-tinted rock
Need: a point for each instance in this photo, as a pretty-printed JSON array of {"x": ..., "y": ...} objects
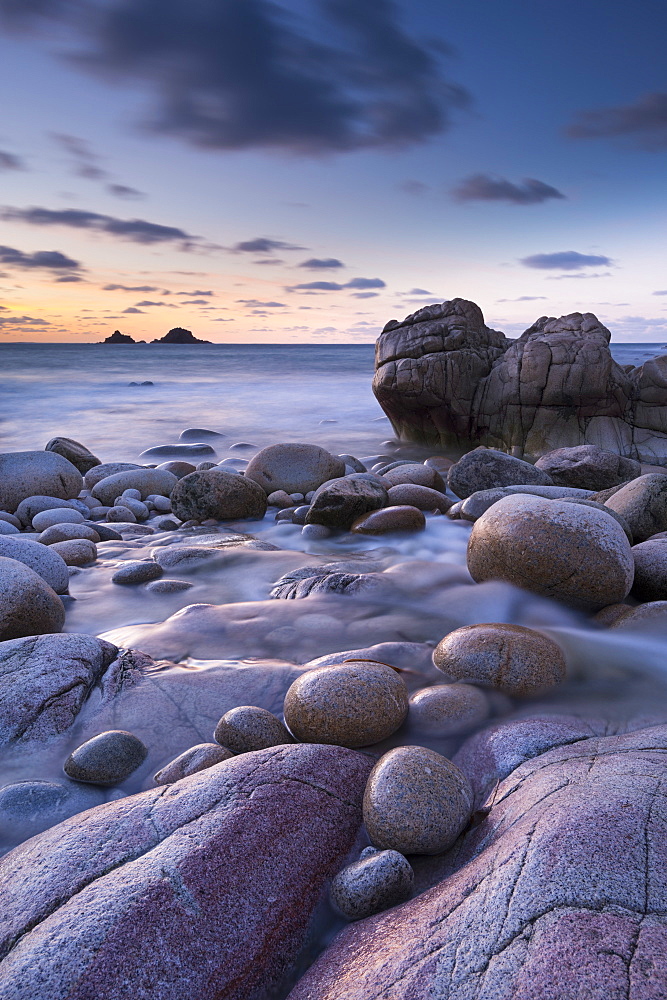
[
  {"x": 559, "y": 892},
  {"x": 201, "y": 889}
]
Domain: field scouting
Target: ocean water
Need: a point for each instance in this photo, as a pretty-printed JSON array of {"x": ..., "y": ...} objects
[{"x": 256, "y": 393}]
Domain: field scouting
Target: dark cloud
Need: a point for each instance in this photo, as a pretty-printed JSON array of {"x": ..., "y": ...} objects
[
  {"x": 50, "y": 260},
  {"x": 321, "y": 263},
  {"x": 194, "y": 302},
  {"x": 482, "y": 187},
  {"x": 238, "y": 74},
  {"x": 260, "y": 305},
  {"x": 130, "y": 288},
  {"x": 196, "y": 292},
  {"x": 9, "y": 161},
  {"x": 365, "y": 283},
  {"x": 643, "y": 123},
  {"x": 9, "y": 324},
  {"x": 263, "y": 245},
  {"x": 131, "y": 309},
  {"x": 123, "y": 191},
  {"x": 317, "y": 286},
  {"x": 566, "y": 260},
  {"x": 134, "y": 230},
  {"x": 147, "y": 302},
  {"x": 365, "y": 295},
  {"x": 68, "y": 278}
]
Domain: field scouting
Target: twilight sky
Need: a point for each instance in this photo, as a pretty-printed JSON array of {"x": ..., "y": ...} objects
[{"x": 305, "y": 170}]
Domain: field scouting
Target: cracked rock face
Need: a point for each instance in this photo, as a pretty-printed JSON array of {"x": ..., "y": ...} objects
[
  {"x": 135, "y": 897},
  {"x": 558, "y": 892},
  {"x": 445, "y": 379}
]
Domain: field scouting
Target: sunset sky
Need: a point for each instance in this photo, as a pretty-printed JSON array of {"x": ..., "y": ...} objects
[{"x": 306, "y": 170}]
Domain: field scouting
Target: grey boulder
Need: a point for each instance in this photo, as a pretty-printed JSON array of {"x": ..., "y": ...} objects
[
  {"x": 76, "y": 453},
  {"x": 26, "y": 473},
  {"x": 28, "y": 606},
  {"x": 486, "y": 469},
  {"x": 217, "y": 494},
  {"x": 294, "y": 468},
  {"x": 338, "y": 503},
  {"x": 42, "y": 559},
  {"x": 588, "y": 467}
]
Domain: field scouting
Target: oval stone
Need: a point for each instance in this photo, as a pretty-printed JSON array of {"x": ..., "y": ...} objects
[
  {"x": 574, "y": 554},
  {"x": 196, "y": 758},
  {"x": 511, "y": 658},
  {"x": 416, "y": 801},
  {"x": 219, "y": 494},
  {"x": 106, "y": 759},
  {"x": 375, "y": 882},
  {"x": 248, "y": 727},
  {"x": 447, "y": 709},
  {"x": 294, "y": 468},
  {"x": 351, "y": 704},
  {"x": 28, "y": 606},
  {"x": 380, "y": 522}
]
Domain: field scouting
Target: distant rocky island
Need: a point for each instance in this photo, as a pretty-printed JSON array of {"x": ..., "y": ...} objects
[{"x": 175, "y": 336}]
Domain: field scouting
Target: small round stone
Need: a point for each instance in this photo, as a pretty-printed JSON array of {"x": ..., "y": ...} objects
[
  {"x": 168, "y": 586},
  {"x": 447, "y": 709},
  {"x": 59, "y": 515},
  {"x": 650, "y": 583},
  {"x": 372, "y": 884},
  {"x": 379, "y": 522},
  {"x": 137, "y": 571},
  {"x": 572, "y": 553},
  {"x": 352, "y": 704},
  {"x": 197, "y": 758},
  {"x": 416, "y": 801},
  {"x": 76, "y": 551},
  {"x": 67, "y": 532},
  {"x": 248, "y": 727},
  {"x": 511, "y": 658},
  {"x": 106, "y": 759},
  {"x": 121, "y": 515}
]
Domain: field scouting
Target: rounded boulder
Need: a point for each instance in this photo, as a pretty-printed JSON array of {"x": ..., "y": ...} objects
[
  {"x": 147, "y": 481},
  {"x": 447, "y": 709},
  {"x": 294, "y": 468},
  {"x": 28, "y": 473},
  {"x": 352, "y": 704},
  {"x": 416, "y": 801},
  {"x": 379, "y": 879},
  {"x": 215, "y": 493},
  {"x": 511, "y": 658},
  {"x": 41, "y": 559},
  {"x": 248, "y": 727},
  {"x": 28, "y": 606},
  {"x": 106, "y": 759},
  {"x": 575, "y": 554},
  {"x": 338, "y": 503}
]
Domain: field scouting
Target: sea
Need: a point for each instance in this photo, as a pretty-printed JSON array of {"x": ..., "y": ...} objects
[{"x": 119, "y": 400}]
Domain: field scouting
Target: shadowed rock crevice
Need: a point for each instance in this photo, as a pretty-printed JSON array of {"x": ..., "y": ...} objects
[{"x": 445, "y": 379}]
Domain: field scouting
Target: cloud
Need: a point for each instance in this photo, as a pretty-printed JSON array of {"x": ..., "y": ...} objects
[
  {"x": 263, "y": 245},
  {"x": 418, "y": 291},
  {"x": 321, "y": 263},
  {"x": 51, "y": 260},
  {"x": 193, "y": 302},
  {"x": 196, "y": 292},
  {"x": 414, "y": 187},
  {"x": 334, "y": 286},
  {"x": 663, "y": 292},
  {"x": 643, "y": 123},
  {"x": 130, "y": 288},
  {"x": 254, "y": 304},
  {"x": 68, "y": 278},
  {"x": 482, "y": 187},
  {"x": 147, "y": 302},
  {"x": 524, "y": 298},
  {"x": 365, "y": 295},
  {"x": 9, "y": 161},
  {"x": 134, "y": 230},
  {"x": 317, "y": 286},
  {"x": 365, "y": 283},
  {"x": 243, "y": 74},
  {"x": 566, "y": 260},
  {"x": 131, "y": 309},
  {"x": 123, "y": 191},
  {"x": 85, "y": 161},
  {"x": 15, "y": 324}
]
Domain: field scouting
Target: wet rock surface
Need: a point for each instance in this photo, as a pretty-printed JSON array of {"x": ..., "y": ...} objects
[
  {"x": 567, "y": 859},
  {"x": 175, "y": 862}
]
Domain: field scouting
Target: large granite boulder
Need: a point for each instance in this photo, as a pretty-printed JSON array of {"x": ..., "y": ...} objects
[
  {"x": 204, "y": 888},
  {"x": 444, "y": 379},
  {"x": 558, "y": 890},
  {"x": 28, "y": 473}
]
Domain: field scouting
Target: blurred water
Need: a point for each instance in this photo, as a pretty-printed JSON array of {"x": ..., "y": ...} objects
[{"x": 257, "y": 393}]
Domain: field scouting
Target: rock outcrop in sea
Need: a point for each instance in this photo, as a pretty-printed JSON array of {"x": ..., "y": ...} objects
[
  {"x": 447, "y": 380},
  {"x": 179, "y": 336},
  {"x": 119, "y": 338}
]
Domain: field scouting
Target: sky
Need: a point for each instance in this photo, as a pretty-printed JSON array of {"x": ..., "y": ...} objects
[{"x": 306, "y": 170}]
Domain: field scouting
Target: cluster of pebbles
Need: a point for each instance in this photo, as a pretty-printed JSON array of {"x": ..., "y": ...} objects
[{"x": 582, "y": 526}]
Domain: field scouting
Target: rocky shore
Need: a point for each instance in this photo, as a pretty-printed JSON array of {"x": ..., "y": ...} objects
[{"x": 316, "y": 725}]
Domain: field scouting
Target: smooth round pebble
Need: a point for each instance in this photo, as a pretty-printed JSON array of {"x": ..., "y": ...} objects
[
  {"x": 293, "y": 467},
  {"x": 575, "y": 554},
  {"x": 67, "y": 532},
  {"x": 106, "y": 759},
  {"x": 650, "y": 583},
  {"x": 352, "y": 704},
  {"x": 121, "y": 515},
  {"x": 197, "y": 758},
  {"x": 161, "y": 504},
  {"x": 379, "y": 522},
  {"x": 218, "y": 494},
  {"x": 76, "y": 551},
  {"x": 58, "y": 515},
  {"x": 28, "y": 605},
  {"x": 132, "y": 494},
  {"x": 166, "y": 586},
  {"x": 511, "y": 658},
  {"x": 372, "y": 884},
  {"x": 447, "y": 709},
  {"x": 41, "y": 558},
  {"x": 8, "y": 529},
  {"x": 416, "y": 801},
  {"x": 315, "y": 531},
  {"x": 137, "y": 571},
  {"x": 248, "y": 728}
]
